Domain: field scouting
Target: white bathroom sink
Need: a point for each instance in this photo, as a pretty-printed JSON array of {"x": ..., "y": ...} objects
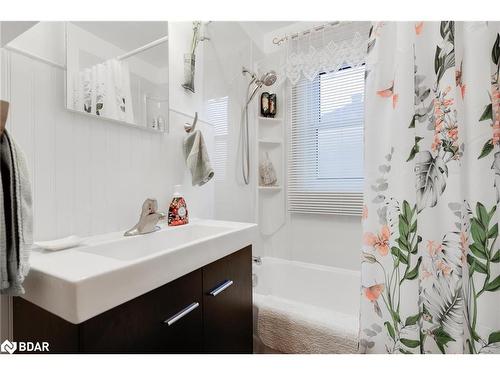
[
  {"x": 130, "y": 248},
  {"x": 108, "y": 270}
]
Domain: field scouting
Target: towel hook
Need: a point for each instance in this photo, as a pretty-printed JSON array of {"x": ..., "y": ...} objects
[
  {"x": 4, "y": 112},
  {"x": 190, "y": 127}
]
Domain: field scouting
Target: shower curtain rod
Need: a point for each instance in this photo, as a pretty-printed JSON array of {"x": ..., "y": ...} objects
[
  {"x": 143, "y": 48},
  {"x": 278, "y": 40}
]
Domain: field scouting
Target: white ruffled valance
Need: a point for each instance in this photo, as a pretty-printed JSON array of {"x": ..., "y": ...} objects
[{"x": 331, "y": 49}]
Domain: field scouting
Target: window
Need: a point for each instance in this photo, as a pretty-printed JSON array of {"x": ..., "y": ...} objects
[
  {"x": 326, "y": 154},
  {"x": 217, "y": 115}
]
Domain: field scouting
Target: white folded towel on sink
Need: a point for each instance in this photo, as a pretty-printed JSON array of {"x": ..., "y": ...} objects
[{"x": 60, "y": 244}]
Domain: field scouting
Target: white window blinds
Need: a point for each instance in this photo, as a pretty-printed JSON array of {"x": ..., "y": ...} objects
[
  {"x": 326, "y": 154},
  {"x": 217, "y": 115}
]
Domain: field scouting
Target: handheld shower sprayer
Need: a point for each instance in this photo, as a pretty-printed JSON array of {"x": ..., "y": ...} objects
[{"x": 267, "y": 79}]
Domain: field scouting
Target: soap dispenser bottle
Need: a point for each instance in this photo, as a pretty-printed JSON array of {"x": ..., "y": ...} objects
[{"x": 177, "y": 212}]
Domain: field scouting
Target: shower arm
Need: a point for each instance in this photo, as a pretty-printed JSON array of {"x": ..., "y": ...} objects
[{"x": 252, "y": 74}]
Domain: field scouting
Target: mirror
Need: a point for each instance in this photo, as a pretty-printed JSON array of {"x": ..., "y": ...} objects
[{"x": 119, "y": 71}]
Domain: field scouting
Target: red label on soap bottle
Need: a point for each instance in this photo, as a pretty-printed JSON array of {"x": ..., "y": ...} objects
[{"x": 177, "y": 212}]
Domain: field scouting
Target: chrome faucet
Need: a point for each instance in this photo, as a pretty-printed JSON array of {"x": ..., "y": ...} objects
[
  {"x": 148, "y": 220},
  {"x": 257, "y": 260}
]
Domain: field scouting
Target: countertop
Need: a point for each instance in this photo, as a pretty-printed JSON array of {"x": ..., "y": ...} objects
[{"x": 79, "y": 283}]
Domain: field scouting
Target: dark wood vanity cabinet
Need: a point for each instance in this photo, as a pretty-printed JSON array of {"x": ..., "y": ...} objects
[
  {"x": 227, "y": 290},
  {"x": 141, "y": 325},
  {"x": 206, "y": 311}
]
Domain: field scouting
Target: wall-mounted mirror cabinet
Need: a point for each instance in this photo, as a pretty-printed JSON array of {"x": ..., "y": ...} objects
[{"x": 119, "y": 71}]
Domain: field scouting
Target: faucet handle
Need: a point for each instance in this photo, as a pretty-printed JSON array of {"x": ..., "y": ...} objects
[
  {"x": 148, "y": 220},
  {"x": 150, "y": 206}
]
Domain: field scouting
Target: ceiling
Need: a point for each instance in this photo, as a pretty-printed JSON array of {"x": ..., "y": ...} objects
[
  {"x": 268, "y": 26},
  {"x": 263, "y": 32},
  {"x": 9, "y": 30}
]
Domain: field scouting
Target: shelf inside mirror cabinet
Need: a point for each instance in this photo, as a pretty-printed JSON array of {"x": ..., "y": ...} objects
[{"x": 270, "y": 188}]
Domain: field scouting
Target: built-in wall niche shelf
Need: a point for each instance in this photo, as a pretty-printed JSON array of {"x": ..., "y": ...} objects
[
  {"x": 270, "y": 188},
  {"x": 270, "y": 119},
  {"x": 271, "y": 142}
]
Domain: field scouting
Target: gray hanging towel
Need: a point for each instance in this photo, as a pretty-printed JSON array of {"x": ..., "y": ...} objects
[
  {"x": 16, "y": 218},
  {"x": 197, "y": 159}
]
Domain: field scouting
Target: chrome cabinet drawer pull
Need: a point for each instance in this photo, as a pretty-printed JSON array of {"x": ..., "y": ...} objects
[
  {"x": 221, "y": 288},
  {"x": 181, "y": 313}
]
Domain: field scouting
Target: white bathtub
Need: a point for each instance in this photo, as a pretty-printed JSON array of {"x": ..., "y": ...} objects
[{"x": 321, "y": 303}]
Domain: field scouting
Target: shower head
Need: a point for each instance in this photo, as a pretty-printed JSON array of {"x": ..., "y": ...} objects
[{"x": 269, "y": 78}]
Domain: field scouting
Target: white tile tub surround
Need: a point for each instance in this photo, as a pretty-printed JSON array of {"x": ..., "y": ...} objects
[{"x": 312, "y": 296}]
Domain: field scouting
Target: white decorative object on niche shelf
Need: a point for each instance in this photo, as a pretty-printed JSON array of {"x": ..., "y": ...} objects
[{"x": 267, "y": 173}]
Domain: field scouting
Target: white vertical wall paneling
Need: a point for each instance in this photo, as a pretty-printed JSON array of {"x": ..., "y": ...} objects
[
  {"x": 64, "y": 176},
  {"x": 91, "y": 176},
  {"x": 82, "y": 177},
  {"x": 228, "y": 50}
]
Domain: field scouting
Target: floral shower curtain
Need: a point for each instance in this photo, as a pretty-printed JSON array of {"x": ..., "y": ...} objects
[{"x": 430, "y": 252}]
